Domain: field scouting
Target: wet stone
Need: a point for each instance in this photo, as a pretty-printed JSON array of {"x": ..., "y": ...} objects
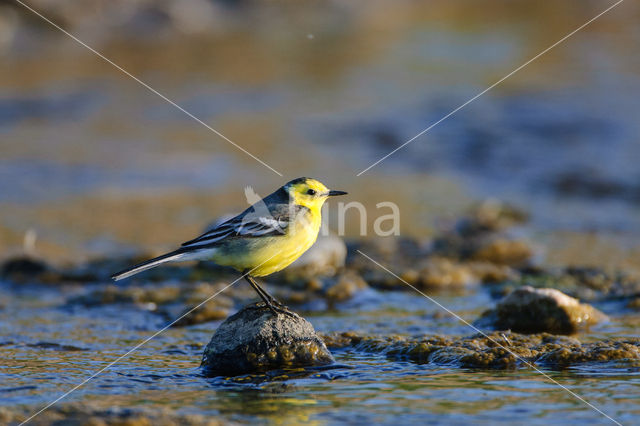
[
  {"x": 345, "y": 287},
  {"x": 496, "y": 350},
  {"x": 536, "y": 310},
  {"x": 23, "y": 268},
  {"x": 256, "y": 340},
  {"x": 503, "y": 251},
  {"x": 440, "y": 272}
]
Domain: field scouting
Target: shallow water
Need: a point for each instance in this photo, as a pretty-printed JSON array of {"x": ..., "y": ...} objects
[{"x": 49, "y": 347}]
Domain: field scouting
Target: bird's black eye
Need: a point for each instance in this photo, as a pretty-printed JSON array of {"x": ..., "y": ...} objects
[{"x": 311, "y": 192}]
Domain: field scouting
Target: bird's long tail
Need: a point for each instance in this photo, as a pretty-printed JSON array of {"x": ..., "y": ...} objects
[{"x": 152, "y": 263}]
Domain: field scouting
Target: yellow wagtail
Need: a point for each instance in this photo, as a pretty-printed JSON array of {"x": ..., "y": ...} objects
[{"x": 265, "y": 238}]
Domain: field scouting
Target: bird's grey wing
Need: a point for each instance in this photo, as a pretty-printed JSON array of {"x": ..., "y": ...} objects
[{"x": 251, "y": 223}]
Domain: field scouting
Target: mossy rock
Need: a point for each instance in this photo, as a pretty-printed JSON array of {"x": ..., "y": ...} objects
[{"x": 496, "y": 350}]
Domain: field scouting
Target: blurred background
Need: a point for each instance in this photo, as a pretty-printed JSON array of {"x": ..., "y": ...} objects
[{"x": 93, "y": 164}]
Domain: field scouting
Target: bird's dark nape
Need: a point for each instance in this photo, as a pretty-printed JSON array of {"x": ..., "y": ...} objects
[{"x": 298, "y": 180}]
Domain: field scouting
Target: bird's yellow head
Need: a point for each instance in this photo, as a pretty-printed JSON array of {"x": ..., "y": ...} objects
[{"x": 309, "y": 192}]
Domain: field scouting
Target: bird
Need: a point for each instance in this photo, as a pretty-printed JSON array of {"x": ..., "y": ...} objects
[{"x": 265, "y": 238}]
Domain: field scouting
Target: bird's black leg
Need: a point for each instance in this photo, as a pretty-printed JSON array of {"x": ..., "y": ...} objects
[
  {"x": 262, "y": 291},
  {"x": 266, "y": 297}
]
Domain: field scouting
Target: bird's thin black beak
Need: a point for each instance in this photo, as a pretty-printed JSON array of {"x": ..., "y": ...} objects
[{"x": 333, "y": 193}]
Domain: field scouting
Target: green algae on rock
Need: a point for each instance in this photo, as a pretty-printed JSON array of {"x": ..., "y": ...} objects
[
  {"x": 255, "y": 340},
  {"x": 537, "y": 310},
  {"x": 497, "y": 350}
]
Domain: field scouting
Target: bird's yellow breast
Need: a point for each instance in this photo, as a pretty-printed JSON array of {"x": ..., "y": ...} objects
[{"x": 264, "y": 256}]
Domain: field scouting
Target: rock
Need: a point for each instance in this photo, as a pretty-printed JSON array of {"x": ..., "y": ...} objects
[
  {"x": 496, "y": 350},
  {"x": 478, "y": 232},
  {"x": 346, "y": 286},
  {"x": 444, "y": 273},
  {"x": 20, "y": 269},
  {"x": 634, "y": 303},
  {"x": 436, "y": 272},
  {"x": 254, "y": 340},
  {"x": 625, "y": 351},
  {"x": 536, "y": 310},
  {"x": 429, "y": 273},
  {"x": 324, "y": 258},
  {"x": 487, "y": 272},
  {"x": 502, "y": 251},
  {"x": 492, "y": 215}
]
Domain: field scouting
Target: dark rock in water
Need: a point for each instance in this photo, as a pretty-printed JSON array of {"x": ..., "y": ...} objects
[
  {"x": 23, "y": 268},
  {"x": 256, "y": 340},
  {"x": 28, "y": 270},
  {"x": 537, "y": 310}
]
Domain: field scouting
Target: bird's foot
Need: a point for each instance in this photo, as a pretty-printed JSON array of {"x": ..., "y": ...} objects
[
  {"x": 277, "y": 303},
  {"x": 279, "y": 308}
]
